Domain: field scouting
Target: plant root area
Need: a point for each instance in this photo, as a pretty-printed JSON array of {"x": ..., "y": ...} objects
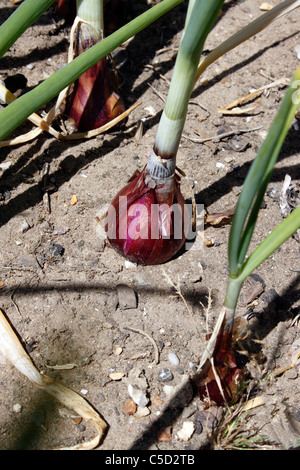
[{"x": 128, "y": 338}]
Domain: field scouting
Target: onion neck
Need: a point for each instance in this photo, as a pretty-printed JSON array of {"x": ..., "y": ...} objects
[
  {"x": 200, "y": 17},
  {"x": 90, "y": 14}
]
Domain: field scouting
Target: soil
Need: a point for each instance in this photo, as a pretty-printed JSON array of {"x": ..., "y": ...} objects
[{"x": 59, "y": 279}]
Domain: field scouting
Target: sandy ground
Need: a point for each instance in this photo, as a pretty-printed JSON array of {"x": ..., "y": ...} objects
[{"x": 59, "y": 280}]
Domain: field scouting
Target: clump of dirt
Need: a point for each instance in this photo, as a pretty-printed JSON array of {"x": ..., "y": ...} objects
[{"x": 60, "y": 282}]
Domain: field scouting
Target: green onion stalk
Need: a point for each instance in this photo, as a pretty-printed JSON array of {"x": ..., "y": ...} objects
[
  {"x": 17, "y": 111},
  {"x": 148, "y": 220},
  {"x": 219, "y": 375},
  {"x": 94, "y": 100}
]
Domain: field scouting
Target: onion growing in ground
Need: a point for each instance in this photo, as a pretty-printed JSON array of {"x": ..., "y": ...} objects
[
  {"x": 94, "y": 100},
  {"x": 148, "y": 219}
]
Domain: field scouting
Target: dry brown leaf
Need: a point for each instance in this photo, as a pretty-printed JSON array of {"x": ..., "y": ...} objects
[
  {"x": 13, "y": 351},
  {"x": 219, "y": 218}
]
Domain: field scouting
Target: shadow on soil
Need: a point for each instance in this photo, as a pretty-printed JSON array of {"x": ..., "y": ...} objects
[{"x": 277, "y": 310}]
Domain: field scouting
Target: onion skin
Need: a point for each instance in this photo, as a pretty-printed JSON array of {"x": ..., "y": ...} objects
[
  {"x": 94, "y": 101},
  {"x": 136, "y": 228},
  {"x": 225, "y": 366}
]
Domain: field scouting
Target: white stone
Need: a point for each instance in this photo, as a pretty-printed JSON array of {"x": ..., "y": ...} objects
[
  {"x": 186, "y": 431},
  {"x": 138, "y": 396},
  {"x": 17, "y": 408},
  {"x": 173, "y": 358}
]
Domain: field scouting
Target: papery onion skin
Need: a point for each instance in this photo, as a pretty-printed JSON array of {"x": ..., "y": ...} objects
[
  {"x": 228, "y": 373},
  {"x": 135, "y": 228},
  {"x": 94, "y": 101}
]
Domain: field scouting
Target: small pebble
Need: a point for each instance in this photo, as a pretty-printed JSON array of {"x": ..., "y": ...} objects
[
  {"x": 266, "y": 6},
  {"x": 130, "y": 407},
  {"x": 56, "y": 250},
  {"x": 173, "y": 358},
  {"x": 156, "y": 401},
  {"x": 118, "y": 350},
  {"x": 17, "y": 408},
  {"x": 189, "y": 411},
  {"x": 116, "y": 375},
  {"x": 165, "y": 434},
  {"x": 165, "y": 375},
  {"x": 142, "y": 411},
  {"x": 297, "y": 51},
  {"x": 129, "y": 265},
  {"x": 187, "y": 431},
  {"x": 198, "y": 422},
  {"x": 74, "y": 200},
  {"x": 126, "y": 297},
  {"x": 24, "y": 226},
  {"x": 138, "y": 396},
  {"x": 81, "y": 427}
]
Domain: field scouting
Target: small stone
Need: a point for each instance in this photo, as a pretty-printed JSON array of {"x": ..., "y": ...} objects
[
  {"x": 297, "y": 51},
  {"x": 157, "y": 401},
  {"x": 116, "y": 375},
  {"x": 81, "y": 427},
  {"x": 77, "y": 420},
  {"x": 118, "y": 350},
  {"x": 55, "y": 251},
  {"x": 165, "y": 434},
  {"x": 173, "y": 359},
  {"x": 189, "y": 411},
  {"x": 165, "y": 375},
  {"x": 198, "y": 423},
  {"x": 5, "y": 165},
  {"x": 24, "y": 226},
  {"x": 129, "y": 265},
  {"x": 266, "y": 6},
  {"x": 130, "y": 407},
  {"x": 186, "y": 432},
  {"x": 126, "y": 297},
  {"x": 74, "y": 200},
  {"x": 138, "y": 396},
  {"x": 17, "y": 408},
  {"x": 142, "y": 411},
  {"x": 208, "y": 418},
  {"x": 220, "y": 165}
]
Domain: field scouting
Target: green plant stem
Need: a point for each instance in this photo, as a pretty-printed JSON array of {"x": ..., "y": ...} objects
[
  {"x": 271, "y": 243},
  {"x": 91, "y": 12},
  {"x": 200, "y": 18},
  {"x": 233, "y": 289},
  {"x": 23, "y": 17},
  {"x": 253, "y": 28},
  {"x": 255, "y": 184},
  {"x": 18, "y": 111}
]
